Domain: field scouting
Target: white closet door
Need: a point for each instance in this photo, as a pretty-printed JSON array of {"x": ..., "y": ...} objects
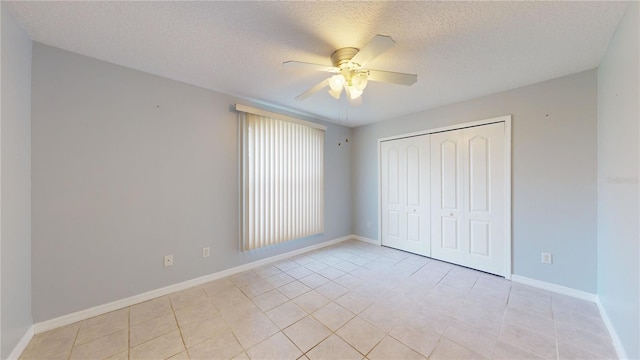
[
  {"x": 468, "y": 197},
  {"x": 405, "y": 194}
]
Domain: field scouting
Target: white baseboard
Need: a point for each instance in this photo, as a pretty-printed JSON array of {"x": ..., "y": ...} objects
[
  {"x": 554, "y": 288},
  {"x": 132, "y": 300},
  {"x": 622, "y": 354},
  {"x": 367, "y": 240},
  {"x": 22, "y": 344}
]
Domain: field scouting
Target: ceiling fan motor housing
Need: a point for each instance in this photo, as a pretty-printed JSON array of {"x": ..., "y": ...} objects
[{"x": 342, "y": 57}]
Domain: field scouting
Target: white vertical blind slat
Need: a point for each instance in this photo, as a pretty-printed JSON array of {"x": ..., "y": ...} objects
[{"x": 283, "y": 185}]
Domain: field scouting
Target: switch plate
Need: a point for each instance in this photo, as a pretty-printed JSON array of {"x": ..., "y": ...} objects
[
  {"x": 205, "y": 252},
  {"x": 547, "y": 258},
  {"x": 168, "y": 260}
]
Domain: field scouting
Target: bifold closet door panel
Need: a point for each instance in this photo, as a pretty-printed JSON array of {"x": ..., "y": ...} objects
[
  {"x": 405, "y": 194},
  {"x": 468, "y": 197},
  {"x": 485, "y": 198},
  {"x": 447, "y": 203}
]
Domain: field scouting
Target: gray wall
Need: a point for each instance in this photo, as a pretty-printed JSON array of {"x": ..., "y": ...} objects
[
  {"x": 129, "y": 167},
  {"x": 553, "y": 173},
  {"x": 618, "y": 171},
  {"x": 15, "y": 240}
]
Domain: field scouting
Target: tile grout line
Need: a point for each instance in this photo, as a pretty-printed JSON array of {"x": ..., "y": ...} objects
[
  {"x": 442, "y": 336},
  {"x": 299, "y": 320},
  {"x": 175, "y": 317},
  {"x": 332, "y": 332},
  {"x": 222, "y": 317},
  {"x": 75, "y": 339},
  {"x": 504, "y": 315},
  {"x": 555, "y": 330}
]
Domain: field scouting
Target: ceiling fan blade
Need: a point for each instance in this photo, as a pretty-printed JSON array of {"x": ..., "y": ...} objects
[
  {"x": 392, "y": 77},
  {"x": 292, "y": 64},
  {"x": 313, "y": 90},
  {"x": 375, "y": 47}
]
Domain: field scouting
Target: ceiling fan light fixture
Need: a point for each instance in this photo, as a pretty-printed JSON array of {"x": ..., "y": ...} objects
[
  {"x": 359, "y": 81},
  {"x": 353, "y": 92},
  {"x": 336, "y": 82}
]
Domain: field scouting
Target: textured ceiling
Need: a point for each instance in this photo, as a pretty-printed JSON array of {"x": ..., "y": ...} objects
[{"x": 460, "y": 50}]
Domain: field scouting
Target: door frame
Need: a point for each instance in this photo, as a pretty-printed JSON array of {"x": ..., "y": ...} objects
[{"x": 506, "y": 119}]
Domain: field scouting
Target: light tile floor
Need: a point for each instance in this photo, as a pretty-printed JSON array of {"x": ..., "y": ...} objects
[{"x": 349, "y": 301}]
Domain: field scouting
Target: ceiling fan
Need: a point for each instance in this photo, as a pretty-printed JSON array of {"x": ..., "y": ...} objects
[{"x": 349, "y": 72}]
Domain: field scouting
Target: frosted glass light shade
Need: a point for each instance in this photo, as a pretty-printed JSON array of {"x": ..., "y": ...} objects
[
  {"x": 336, "y": 82},
  {"x": 353, "y": 92},
  {"x": 360, "y": 82}
]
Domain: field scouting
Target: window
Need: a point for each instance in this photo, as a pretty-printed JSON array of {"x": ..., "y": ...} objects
[{"x": 282, "y": 195}]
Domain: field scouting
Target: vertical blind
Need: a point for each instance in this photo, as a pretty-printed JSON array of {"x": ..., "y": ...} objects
[{"x": 283, "y": 180}]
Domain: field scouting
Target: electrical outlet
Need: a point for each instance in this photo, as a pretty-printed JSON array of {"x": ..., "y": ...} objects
[
  {"x": 369, "y": 224},
  {"x": 168, "y": 260},
  {"x": 547, "y": 258},
  {"x": 205, "y": 252}
]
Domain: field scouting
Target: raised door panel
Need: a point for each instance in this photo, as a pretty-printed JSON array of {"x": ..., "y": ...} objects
[
  {"x": 392, "y": 186},
  {"x": 414, "y": 191},
  {"x": 450, "y": 238},
  {"x": 479, "y": 238},
  {"x": 479, "y": 163},
  {"x": 393, "y": 223},
  {"x": 393, "y": 172},
  {"x": 413, "y": 175},
  {"x": 449, "y": 174},
  {"x": 413, "y": 227}
]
